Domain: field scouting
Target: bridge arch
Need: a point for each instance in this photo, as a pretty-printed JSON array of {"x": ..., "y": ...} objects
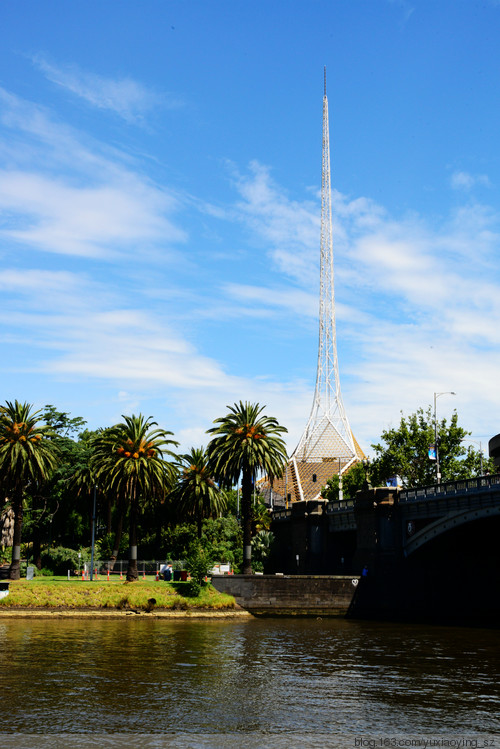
[{"x": 447, "y": 523}]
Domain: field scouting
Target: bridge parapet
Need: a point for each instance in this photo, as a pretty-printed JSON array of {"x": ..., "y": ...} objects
[
  {"x": 479, "y": 484},
  {"x": 346, "y": 505}
]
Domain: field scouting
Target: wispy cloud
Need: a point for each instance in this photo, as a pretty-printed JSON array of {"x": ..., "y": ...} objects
[
  {"x": 465, "y": 181},
  {"x": 59, "y": 195},
  {"x": 290, "y": 227},
  {"x": 419, "y": 302},
  {"x": 78, "y": 330},
  {"x": 125, "y": 97},
  {"x": 262, "y": 299},
  {"x": 416, "y": 300}
]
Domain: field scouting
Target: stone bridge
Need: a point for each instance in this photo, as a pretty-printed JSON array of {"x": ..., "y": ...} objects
[{"x": 432, "y": 547}]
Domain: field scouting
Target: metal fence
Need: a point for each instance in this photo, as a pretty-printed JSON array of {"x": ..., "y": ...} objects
[{"x": 118, "y": 568}]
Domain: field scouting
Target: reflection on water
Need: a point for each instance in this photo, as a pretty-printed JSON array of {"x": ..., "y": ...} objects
[{"x": 224, "y": 677}]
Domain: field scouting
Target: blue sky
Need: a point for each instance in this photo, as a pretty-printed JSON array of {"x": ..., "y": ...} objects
[{"x": 160, "y": 169}]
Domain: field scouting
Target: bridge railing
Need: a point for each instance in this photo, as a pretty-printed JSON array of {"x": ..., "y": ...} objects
[
  {"x": 481, "y": 483},
  {"x": 282, "y": 514},
  {"x": 346, "y": 505},
  {"x": 340, "y": 505}
]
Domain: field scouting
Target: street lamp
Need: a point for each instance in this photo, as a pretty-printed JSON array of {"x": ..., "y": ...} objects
[{"x": 436, "y": 396}]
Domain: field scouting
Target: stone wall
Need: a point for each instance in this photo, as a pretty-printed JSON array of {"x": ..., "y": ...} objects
[{"x": 299, "y": 595}]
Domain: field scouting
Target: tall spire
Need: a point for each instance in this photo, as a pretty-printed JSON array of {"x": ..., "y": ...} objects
[
  {"x": 327, "y": 437},
  {"x": 327, "y": 445}
]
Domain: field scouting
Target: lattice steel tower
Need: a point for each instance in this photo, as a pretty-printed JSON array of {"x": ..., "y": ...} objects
[{"x": 327, "y": 444}]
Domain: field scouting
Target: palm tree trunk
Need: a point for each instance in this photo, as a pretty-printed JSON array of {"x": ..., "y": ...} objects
[
  {"x": 15, "y": 567},
  {"x": 247, "y": 513},
  {"x": 132, "y": 573}
]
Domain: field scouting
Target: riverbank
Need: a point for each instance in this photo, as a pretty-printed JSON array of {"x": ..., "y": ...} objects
[{"x": 63, "y": 598}]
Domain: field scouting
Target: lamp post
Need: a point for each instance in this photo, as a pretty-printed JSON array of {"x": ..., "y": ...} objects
[{"x": 436, "y": 396}]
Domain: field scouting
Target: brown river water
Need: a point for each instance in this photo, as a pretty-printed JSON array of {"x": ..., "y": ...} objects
[{"x": 245, "y": 683}]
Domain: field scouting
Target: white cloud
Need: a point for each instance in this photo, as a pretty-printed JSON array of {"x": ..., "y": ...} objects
[
  {"x": 465, "y": 181},
  {"x": 290, "y": 227},
  {"x": 418, "y": 305},
  {"x": 57, "y": 216},
  {"x": 124, "y": 96},
  {"x": 59, "y": 195},
  {"x": 261, "y": 299}
]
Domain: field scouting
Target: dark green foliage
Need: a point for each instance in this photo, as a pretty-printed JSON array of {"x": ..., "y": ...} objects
[
  {"x": 59, "y": 560},
  {"x": 196, "y": 494},
  {"x": 261, "y": 548},
  {"x": 130, "y": 461},
  {"x": 177, "y": 540},
  {"x": 198, "y": 564},
  {"x": 261, "y": 516},
  {"x": 352, "y": 481},
  {"x": 104, "y": 546},
  {"x": 232, "y": 502},
  {"x": 28, "y": 456},
  {"x": 222, "y": 540}
]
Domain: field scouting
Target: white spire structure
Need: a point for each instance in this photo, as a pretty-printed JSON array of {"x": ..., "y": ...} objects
[{"x": 327, "y": 445}]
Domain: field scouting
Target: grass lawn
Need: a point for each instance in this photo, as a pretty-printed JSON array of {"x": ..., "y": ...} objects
[{"x": 148, "y": 595}]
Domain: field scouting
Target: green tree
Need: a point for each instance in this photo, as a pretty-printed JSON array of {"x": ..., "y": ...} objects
[
  {"x": 82, "y": 482},
  {"x": 64, "y": 512},
  {"x": 27, "y": 458},
  {"x": 222, "y": 539},
  {"x": 352, "y": 481},
  {"x": 196, "y": 494},
  {"x": 62, "y": 423},
  {"x": 261, "y": 548},
  {"x": 198, "y": 562},
  {"x": 406, "y": 451},
  {"x": 246, "y": 442},
  {"x": 130, "y": 459},
  {"x": 262, "y": 517}
]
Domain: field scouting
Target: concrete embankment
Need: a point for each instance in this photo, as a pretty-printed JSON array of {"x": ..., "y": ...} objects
[
  {"x": 290, "y": 595},
  {"x": 55, "y": 613}
]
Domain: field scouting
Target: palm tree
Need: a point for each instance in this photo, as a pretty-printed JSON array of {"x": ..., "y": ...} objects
[
  {"x": 27, "y": 457},
  {"x": 130, "y": 460},
  {"x": 196, "y": 492},
  {"x": 244, "y": 443}
]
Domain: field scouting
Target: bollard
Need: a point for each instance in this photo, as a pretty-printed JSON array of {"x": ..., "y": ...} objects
[{"x": 108, "y": 574}]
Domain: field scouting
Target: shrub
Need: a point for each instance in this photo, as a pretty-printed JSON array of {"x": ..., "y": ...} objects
[
  {"x": 191, "y": 589},
  {"x": 198, "y": 563},
  {"x": 261, "y": 547},
  {"x": 59, "y": 560}
]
